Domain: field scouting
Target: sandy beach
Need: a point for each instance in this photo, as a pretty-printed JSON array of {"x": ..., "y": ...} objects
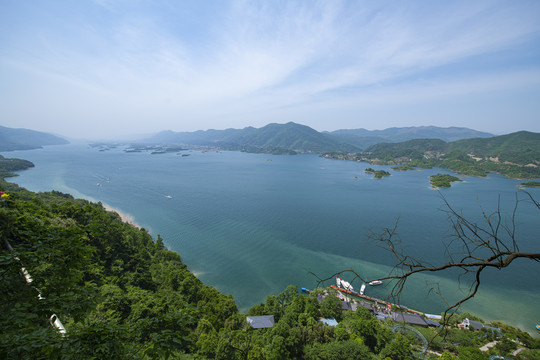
[{"x": 125, "y": 217}]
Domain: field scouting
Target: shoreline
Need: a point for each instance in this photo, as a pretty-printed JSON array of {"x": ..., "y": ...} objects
[{"x": 123, "y": 216}]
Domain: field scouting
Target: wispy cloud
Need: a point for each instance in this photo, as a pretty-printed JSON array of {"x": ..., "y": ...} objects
[{"x": 166, "y": 61}]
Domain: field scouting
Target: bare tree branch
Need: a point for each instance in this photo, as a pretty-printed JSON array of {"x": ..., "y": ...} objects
[{"x": 472, "y": 248}]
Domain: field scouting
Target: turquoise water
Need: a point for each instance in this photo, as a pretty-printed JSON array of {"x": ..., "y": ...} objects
[{"x": 251, "y": 224}]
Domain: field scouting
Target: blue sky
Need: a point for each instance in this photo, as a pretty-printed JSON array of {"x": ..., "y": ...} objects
[{"x": 107, "y": 69}]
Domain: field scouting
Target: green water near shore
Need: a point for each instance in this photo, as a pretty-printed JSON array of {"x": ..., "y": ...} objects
[{"x": 250, "y": 226}]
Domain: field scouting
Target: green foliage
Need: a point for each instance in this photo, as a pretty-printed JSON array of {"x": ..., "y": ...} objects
[
  {"x": 346, "y": 350},
  {"x": 363, "y": 326},
  {"x": 399, "y": 349},
  {"x": 412, "y": 149},
  {"x": 517, "y": 334},
  {"x": 379, "y": 174},
  {"x": 443, "y": 180},
  {"x": 521, "y": 147},
  {"x": 471, "y": 353},
  {"x": 531, "y": 184},
  {"x": 515, "y": 155},
  {"x": 405, "y": 167},
  {"x": 331, "y": 307},
  {"x": 446, "y": 356},
  {"x": 8, "y": 165},
  {"x": 504, "y": 347},
  {"x": 529, "y": 355},
  {"x": 116, "y": 291}
]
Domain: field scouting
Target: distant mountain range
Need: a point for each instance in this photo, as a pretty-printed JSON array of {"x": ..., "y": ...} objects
[
  {"x": 296, "y": 138},
  {"x": 273, "y": 138},
  {"x": 289, "y": 138},
  {"x": 363, "y": 138},
  {"x": 24, "y": 139}
]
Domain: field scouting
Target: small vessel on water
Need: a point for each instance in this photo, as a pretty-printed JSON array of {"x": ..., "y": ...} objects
[
  {"x": 375, "y": 282},
  {"x": 344, "y": 284},
  {"x": 362, "y": 289},
  {"x": 538, "y": 327},
  {"x": 168, "y": 196}
]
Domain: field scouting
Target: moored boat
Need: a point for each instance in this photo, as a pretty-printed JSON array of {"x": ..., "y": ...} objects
[
  {"x": 375, "y": 282},
  {"x": 344, "y": 284},
  {"x": 362, "y": 289}
]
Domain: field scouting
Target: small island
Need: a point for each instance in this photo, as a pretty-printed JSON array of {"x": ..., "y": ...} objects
[
  {"x": 532, "y": 184},
  {"x": 404, "y": 167},
  {"x": 443, "y": 180},
  {"x": 378, "y": 174}
]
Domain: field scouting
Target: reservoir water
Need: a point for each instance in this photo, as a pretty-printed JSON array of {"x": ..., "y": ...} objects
[{"x": 251, "y": 224}]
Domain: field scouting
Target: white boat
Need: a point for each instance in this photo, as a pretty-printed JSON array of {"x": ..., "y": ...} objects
[
  {"x": 168, "y": 196},
  {"x": 344, "y": 284},
  {"x": 375, "y": 282},
  {"x": 362, "y": 289}
]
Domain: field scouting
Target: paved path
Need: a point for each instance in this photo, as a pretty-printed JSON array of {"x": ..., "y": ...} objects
[{"x": 488, "y": 346}]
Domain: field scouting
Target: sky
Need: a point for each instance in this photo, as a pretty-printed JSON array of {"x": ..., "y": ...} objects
[{"x": 108, "y": 69}]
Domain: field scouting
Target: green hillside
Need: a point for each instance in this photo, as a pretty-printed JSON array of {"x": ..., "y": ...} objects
[
  {"x": 516, "y": 155},
  {"x": 24, "y": 139},
  {"x": 361, "y": 142},
  {"x": 521, "y": 147},
  {"x": 295, "y": 138},
  {"x": 413, "y": 149},
  {"x": 7, "y": 166},
  {"x": 290, "y": 136},
  {"x": 287, "y": 138}
]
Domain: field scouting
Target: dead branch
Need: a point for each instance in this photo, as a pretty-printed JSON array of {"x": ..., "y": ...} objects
[{"x": 472, "y": 249}]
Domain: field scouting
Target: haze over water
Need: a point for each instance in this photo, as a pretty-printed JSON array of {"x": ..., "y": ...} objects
[{"x": 251, "y": 224}]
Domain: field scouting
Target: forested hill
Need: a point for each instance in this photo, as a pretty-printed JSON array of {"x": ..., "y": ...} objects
[
  {"x": 521, "y": 147},
  {"x": 24, "y": 139},
  {"x": 516, "y": 155},
  {"x": 296, "y": 138},
  {"x": 287, "y": 138},
  {"x": 119, "y": 293},
  {"x": 8, "y": 165}
]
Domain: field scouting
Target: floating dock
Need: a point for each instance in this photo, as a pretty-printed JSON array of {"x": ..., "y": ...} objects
[{"x": 375, "y": 300}]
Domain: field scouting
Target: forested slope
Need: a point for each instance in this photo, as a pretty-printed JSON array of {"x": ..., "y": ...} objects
[
  {"x": 118, "y": 292},
  {"x": 24, "y": 139},
  {"x": 515, "y": 155}
]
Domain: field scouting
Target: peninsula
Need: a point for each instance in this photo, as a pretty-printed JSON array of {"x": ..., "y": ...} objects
[{"x": 515, "y": 155}]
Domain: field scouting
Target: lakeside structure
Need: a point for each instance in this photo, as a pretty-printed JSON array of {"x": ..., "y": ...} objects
[{"x": 383, "y": 309}]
